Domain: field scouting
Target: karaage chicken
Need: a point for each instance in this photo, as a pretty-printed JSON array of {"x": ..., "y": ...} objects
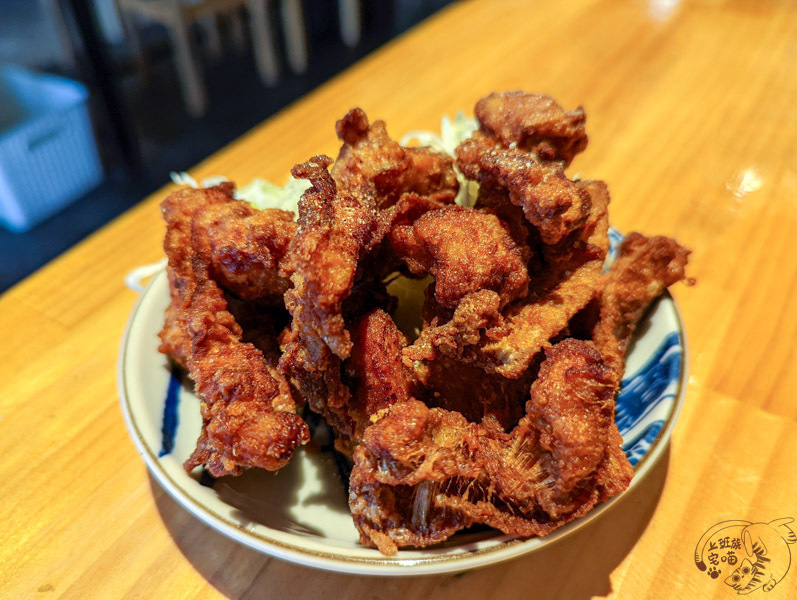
[
  {"x": 498, "y": 409},
  {"x": 248, "y": 412},
  {"x": 422, "y": 474}
]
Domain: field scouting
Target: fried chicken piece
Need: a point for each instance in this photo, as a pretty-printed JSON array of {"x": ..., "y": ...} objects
[
  {"x": 551, "y": 202},
  {"x": 523, "y": 145},
  {"x": 374, "y": 371},
  {"x": 571, "y": 281},
  {"x": 644, "y": 268},
  {"x": 335, "y": 231},
  {"x": 383, "y": 174},
  {"x": 564, "y": 457},
  {"x": 465, "y": 250},
  {"x": 446, "y": 381},
  {"x": 247, "y": 245},
  {"x": 398, "y": 468},
  {"x": 174, "y": 340},
  {"x": 247, "y": 248},
  {"x": 383, "y": 261},
  {"x": 372, "y": 165},
  {"x": 572, "y": 406},
  {"x": 452, "y": 336},
  {"x": 421, "y": 474},
  {"x": 247, "y": 409},
  {"x": 315, "y": 373},
  {"x": 337, "y": 260},
  {"x": 449, "y": 382},
  {"x": 496, "y": 200},
  {"x": 506, "y": 341},
  {"x": 466, "y": 389},
  {"x": 248, "y": 412},
  {"x": 342, "y": 217},
  {"x": 533, "y": 122}
]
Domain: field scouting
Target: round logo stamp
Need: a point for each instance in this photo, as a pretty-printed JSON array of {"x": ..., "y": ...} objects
[{"x": 747, "y": 555}]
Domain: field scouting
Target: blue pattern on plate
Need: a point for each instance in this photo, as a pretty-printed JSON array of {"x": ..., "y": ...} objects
[
  {"x": 650, "y": 385},
  {"x": 643, "y": 396},
  {"x": 170, "y": 420},
  {"x": 649, "y": 393},
  {"x": 637, "y": 448},
  {"x": 615, "y": 239}
]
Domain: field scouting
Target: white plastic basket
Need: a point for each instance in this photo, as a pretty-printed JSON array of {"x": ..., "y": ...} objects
[{"x": 48, "y": 157}]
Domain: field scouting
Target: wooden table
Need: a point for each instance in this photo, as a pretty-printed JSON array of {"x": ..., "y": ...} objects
[{"x": 692, "y": 123}]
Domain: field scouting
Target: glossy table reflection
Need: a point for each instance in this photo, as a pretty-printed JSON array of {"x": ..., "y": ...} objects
[{"x": 691, "y": 120}]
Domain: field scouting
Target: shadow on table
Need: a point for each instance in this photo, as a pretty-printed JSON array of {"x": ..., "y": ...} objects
[{"x": 576, "y": 567}]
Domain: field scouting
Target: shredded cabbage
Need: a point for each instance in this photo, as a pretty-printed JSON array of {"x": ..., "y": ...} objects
[
  {"x": 183, "y": 178},
  {"x": 263, "y": 194},
  {"x": 259, "y": 193},
  {"x": 452, "y": 134}
]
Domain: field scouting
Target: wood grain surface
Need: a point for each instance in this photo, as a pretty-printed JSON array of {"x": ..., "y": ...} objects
[{"x": 692, "y": 123}]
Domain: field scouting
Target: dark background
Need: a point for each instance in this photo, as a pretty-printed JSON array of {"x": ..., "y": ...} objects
[{"x": 161, "y": 136}]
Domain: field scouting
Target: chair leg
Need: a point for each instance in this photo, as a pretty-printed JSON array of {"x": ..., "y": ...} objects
[
  {"x": 131, "y": 36},
  {"x": 350, "y": 21},
  {"x": 210, "y": 28},
  {"x": 53, "y": 9},
  {"x": 237, "y": 31},
  {"x": 187, "y": 69},
  {"x": 295, "y": 36},
  {"x": 263, "y": 41},
  {"x": 131, "y": 33}
]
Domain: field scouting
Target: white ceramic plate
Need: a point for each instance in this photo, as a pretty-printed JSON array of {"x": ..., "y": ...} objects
[{"x": 300, "y": 513}]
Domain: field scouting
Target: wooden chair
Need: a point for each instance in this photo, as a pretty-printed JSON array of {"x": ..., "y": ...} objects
[
  {"x": 350, "y": 13},
  {"x": 179, "y": 15}
]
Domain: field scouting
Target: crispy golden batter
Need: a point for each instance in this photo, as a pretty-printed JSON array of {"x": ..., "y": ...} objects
[
  {"x": 174, "y": 339},
  {"x": 373, "y": 166},
  {"x": 397, "y": 471},
  {"x": 452, "y": 334},
  {"x": 247, "y": 247},
  {"x": 533, "y": 122},
  {"x": 375, "y": 371},
  {"x": 248, "y": 412},
  {"x": 570, "y": 282},
  {"x": 343, "y": 217},
  {"x": 496, "y": 414},
  {"x": 465, "y": 250},
  {"x": 337, "y": 261},
  {"x": 507, "y": 341},
  {"x": 644, "y": 268},
  {"x": 335, "y": 231},
  {"x": 421, "y": 474},
  {"x": 523, "y": 144},
  {"x": 552, "y": 203}
]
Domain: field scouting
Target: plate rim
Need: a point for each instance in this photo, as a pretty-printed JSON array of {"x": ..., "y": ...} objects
[{"x": 506, "y": 548}]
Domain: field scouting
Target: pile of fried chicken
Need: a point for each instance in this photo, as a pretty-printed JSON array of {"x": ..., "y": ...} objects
[{"x": 501, "y": 411}]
